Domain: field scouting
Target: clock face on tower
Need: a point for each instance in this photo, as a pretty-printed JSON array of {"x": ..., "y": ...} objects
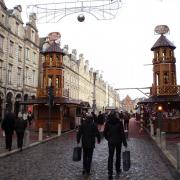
[{"x": 161, "y": 29}]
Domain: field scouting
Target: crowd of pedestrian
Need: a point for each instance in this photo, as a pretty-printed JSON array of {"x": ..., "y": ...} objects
[
  {"x": 18, "y": 124},
  {"x": 110, "y": 125}
]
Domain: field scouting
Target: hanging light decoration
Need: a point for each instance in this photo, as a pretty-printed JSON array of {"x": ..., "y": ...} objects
[{"x": 53, "y": 12}]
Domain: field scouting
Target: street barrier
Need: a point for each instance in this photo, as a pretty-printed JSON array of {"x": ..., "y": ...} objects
[
  {"x": 40, "y": 134},
  {"x": 59, "y": 129},
  {"x": 163, "y": 140},
  {"x": 152, "y": 129},
  {"x": 178, "y": 156}
]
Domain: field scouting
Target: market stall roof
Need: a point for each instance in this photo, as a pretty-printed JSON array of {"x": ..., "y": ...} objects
[
  {"x": 57, "y": 100},
  {"x": 160, "y": 99}
]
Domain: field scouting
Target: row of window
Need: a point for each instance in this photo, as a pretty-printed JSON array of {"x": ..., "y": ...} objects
[
  {"x": 166, "y": 78},
  {"x": 19, "y": 74},
  {"x": 17, "y": 27},
  {"x": 165, "y": 54},
  {"x": 28, "y": 54},
  {"x": 32, "y": 35},
  {"x": 28, "y": 57}
]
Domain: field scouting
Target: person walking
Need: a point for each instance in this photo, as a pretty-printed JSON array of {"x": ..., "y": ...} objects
[
  {"x": 88, "y": 133},
  {"x": 8, "y": 127},
  {"x": 95, "y": 119},
  {"x": 25, "y": 116},
  {"x": 114, "y": 134},
  {"x": 29, "y": 118},
  {"x": 126, "y": 120},
  {"x": 100, "y": 123},
  {"x": 20, "y": 126}
]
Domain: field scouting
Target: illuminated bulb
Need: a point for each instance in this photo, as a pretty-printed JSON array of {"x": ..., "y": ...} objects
[{"x": 159, "y": 108}]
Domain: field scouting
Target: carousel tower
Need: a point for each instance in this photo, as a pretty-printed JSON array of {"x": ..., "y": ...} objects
[
  {"x": 53, "y": 70},
  {"x": 164, "y": 65},
  {"x": 164, "y": 98}
]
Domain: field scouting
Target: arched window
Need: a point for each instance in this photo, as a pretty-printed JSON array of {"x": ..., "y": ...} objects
[
  {"x": 51, "y": 60},
  {"x": 157, "y": 79},
  {"x": 50, "y": 80},
  {"x": 57, "y": 82},
  {"x": 164, "y": 55},
  {"x": 166, "y": 77},
  {"x": 157, "y": 55}
]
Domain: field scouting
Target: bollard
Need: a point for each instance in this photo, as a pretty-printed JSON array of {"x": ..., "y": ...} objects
[
  {"x": 163, "y": 140},
  {"x": 158, "y": 136},
  {"x": 27, "y": 137},
  {"x": 178, "y": 156},
  {"x": 59, "y": 129},
  {"x": 152, "y": 129},
  {"x": 40, "y": 134}
]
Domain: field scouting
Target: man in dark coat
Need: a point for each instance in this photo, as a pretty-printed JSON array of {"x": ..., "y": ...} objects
[
  {"x": 126, "y": 120},
  {"x": 114, "y": 134},
  {"x": 20, "y": 126},
  {"x": 88, "y": 132},
  {"x": 8, "y": 126}
]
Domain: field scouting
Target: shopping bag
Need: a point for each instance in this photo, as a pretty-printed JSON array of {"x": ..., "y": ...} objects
[
  {"x": 77, "y": 153},
  {"x": 126, "y": 133},
  {"x": 126, "y": 160}
]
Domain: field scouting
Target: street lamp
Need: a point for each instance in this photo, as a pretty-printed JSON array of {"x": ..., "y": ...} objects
[
  {"x": 159, "y": 117},
  {"x": 94, "y": 92},
  {"x": 50, "y": 104}
]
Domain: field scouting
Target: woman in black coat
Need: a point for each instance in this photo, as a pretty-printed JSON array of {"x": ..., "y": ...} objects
[
  {"x": 114, "y": 134},
  {"x": 88, "y": 132},
  {"x": 20, "y": 127}
]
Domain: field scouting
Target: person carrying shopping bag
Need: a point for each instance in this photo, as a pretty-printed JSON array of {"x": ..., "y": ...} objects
[
  {"x": 87, "y": 133},
  {"x": 114, "y": 134}
]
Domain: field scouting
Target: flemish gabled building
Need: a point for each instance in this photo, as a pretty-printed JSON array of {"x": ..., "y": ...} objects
[
  {"x": 127, "y": 104},
  {"x": 71, "y": 76},
  {"x": 13, "y": 42},
  {"x": 31, "y": 65}
]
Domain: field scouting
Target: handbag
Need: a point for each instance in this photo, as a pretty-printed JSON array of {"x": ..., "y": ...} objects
[
  {"x": 126, "y": 160},
  {"x": 77, "y": 153}
]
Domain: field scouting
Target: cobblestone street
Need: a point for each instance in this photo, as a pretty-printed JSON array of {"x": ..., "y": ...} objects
[{"x": 52, "y": 160}]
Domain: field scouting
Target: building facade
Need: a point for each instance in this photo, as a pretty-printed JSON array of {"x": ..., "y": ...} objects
[
  {"x": 19, "y": 57},
  {"x": 82, "y": 82}
]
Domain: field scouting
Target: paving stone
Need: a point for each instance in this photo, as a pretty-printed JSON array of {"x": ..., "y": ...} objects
[{"x": 53, "y": 161}]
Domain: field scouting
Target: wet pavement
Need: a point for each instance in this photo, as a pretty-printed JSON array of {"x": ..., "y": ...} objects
[
  {"x": 52, "y": 160},
  {"x": 31, "y": 137}
]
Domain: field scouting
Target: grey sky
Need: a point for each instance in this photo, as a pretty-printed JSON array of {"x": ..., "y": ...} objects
[{"x": 119, "y": 47}]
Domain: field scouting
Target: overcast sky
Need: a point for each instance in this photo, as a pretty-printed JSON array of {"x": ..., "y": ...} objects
[{"x": 119, "y": 48}]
